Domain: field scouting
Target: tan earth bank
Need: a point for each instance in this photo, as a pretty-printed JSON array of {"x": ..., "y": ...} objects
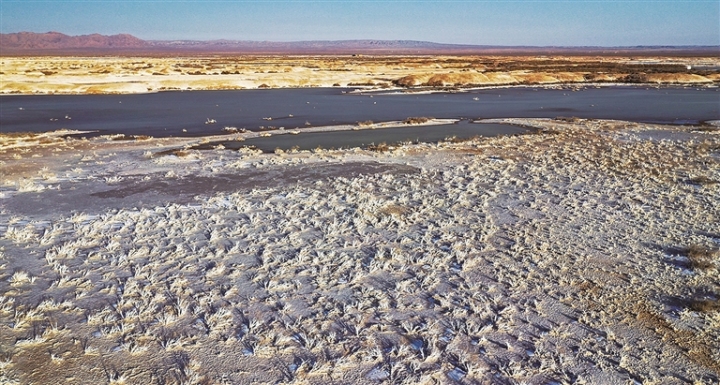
[
  {"x": 585, "y": 252},
  {"x": 90, "y": 75}
]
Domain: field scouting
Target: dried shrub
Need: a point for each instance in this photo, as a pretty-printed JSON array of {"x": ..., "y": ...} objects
[
  {"x": 591, "y": 67},
  {"x": 394, "y": 209},
  {"x": 703, "y": 181},
  {"x": 120, "y": 137},
  {"x": 417, "y": 120},
  {"x": 180, "y": 153},
  {"x": 438, "y": 81},
  {"x": 704, "y": 305},
  {"x": 455, "y": 139},
  {"x": 706, "y": 128},
  {"x": 701, "y": 257},
  {"x": 23, "y": 135},
  {"x": 635, "y": 77},
  {"x": 48, "y": 140},
  {"x": 571, "y": 119},
  {"x": 381, "y": 147},
  {"x": 233, "y": 130},
  {"x": 406, "y": 81},
  {"x": 549, "y": 131}
]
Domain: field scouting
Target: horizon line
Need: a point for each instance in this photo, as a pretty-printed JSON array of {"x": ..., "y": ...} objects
[{"x": 370, "y": 39}]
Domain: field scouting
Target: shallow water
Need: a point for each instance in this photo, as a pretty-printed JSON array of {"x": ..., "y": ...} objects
[
  {"x": 368, "y": 137},
  {"x": 185, "y": 113}
]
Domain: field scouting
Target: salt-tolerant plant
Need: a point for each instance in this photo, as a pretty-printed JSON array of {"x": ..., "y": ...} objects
[
  {"x": 20, "y": 278},
  {"x": 28, "y": 185},
  {"x": 6, "y": 374}
]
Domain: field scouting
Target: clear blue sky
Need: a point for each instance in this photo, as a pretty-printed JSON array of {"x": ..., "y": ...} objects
[{"x": 491, "y": 22}]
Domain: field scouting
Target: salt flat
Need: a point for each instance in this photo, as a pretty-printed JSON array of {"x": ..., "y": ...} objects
[{"x": 583, "y": 253}]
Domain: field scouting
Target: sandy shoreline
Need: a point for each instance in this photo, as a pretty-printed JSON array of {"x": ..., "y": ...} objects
[
  {"x": 585, "y": 252},
  {"x": 12, "y": 141}
]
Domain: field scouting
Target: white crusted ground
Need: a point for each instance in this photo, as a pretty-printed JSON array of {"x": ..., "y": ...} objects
[{"x": 580, "y": 254}]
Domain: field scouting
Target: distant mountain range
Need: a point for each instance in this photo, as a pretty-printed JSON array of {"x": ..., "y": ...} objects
[
  {"x": 59, "y": 41},
  {"x": 25, "y": 43}
]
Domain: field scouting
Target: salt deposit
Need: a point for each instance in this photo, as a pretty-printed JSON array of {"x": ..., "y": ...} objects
[{"x": 584, "y": 253}]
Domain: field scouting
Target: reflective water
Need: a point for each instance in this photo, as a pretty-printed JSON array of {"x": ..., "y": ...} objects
[{"x": 185, "y": 113}]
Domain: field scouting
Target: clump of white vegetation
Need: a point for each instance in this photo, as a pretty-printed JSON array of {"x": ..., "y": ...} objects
[{"x": 30, "y": 185}]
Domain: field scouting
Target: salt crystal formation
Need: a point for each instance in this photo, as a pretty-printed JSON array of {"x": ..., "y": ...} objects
[{"x": 583, "y": 253}]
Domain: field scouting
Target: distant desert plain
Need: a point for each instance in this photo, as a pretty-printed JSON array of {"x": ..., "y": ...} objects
[
  {"x": 584, "y": 251},
  {"x": 120, "y": 74}
]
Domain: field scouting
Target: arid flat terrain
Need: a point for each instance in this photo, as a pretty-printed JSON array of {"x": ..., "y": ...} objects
[
  {"x": 584, "y": 252},
  {"x": 108, "y": 74}
]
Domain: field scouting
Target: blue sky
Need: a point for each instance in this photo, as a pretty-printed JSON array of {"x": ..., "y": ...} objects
[{"x": 487, "y": 22}]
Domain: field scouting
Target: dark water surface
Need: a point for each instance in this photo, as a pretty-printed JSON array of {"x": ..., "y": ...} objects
[{"x": 184, "y": 113}]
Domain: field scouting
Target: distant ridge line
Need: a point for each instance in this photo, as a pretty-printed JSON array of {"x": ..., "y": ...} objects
[{"x": 56, "y": 43}]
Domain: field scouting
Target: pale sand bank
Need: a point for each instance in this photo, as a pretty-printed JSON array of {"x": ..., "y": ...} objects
[{"x": 130, "y": 75}]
